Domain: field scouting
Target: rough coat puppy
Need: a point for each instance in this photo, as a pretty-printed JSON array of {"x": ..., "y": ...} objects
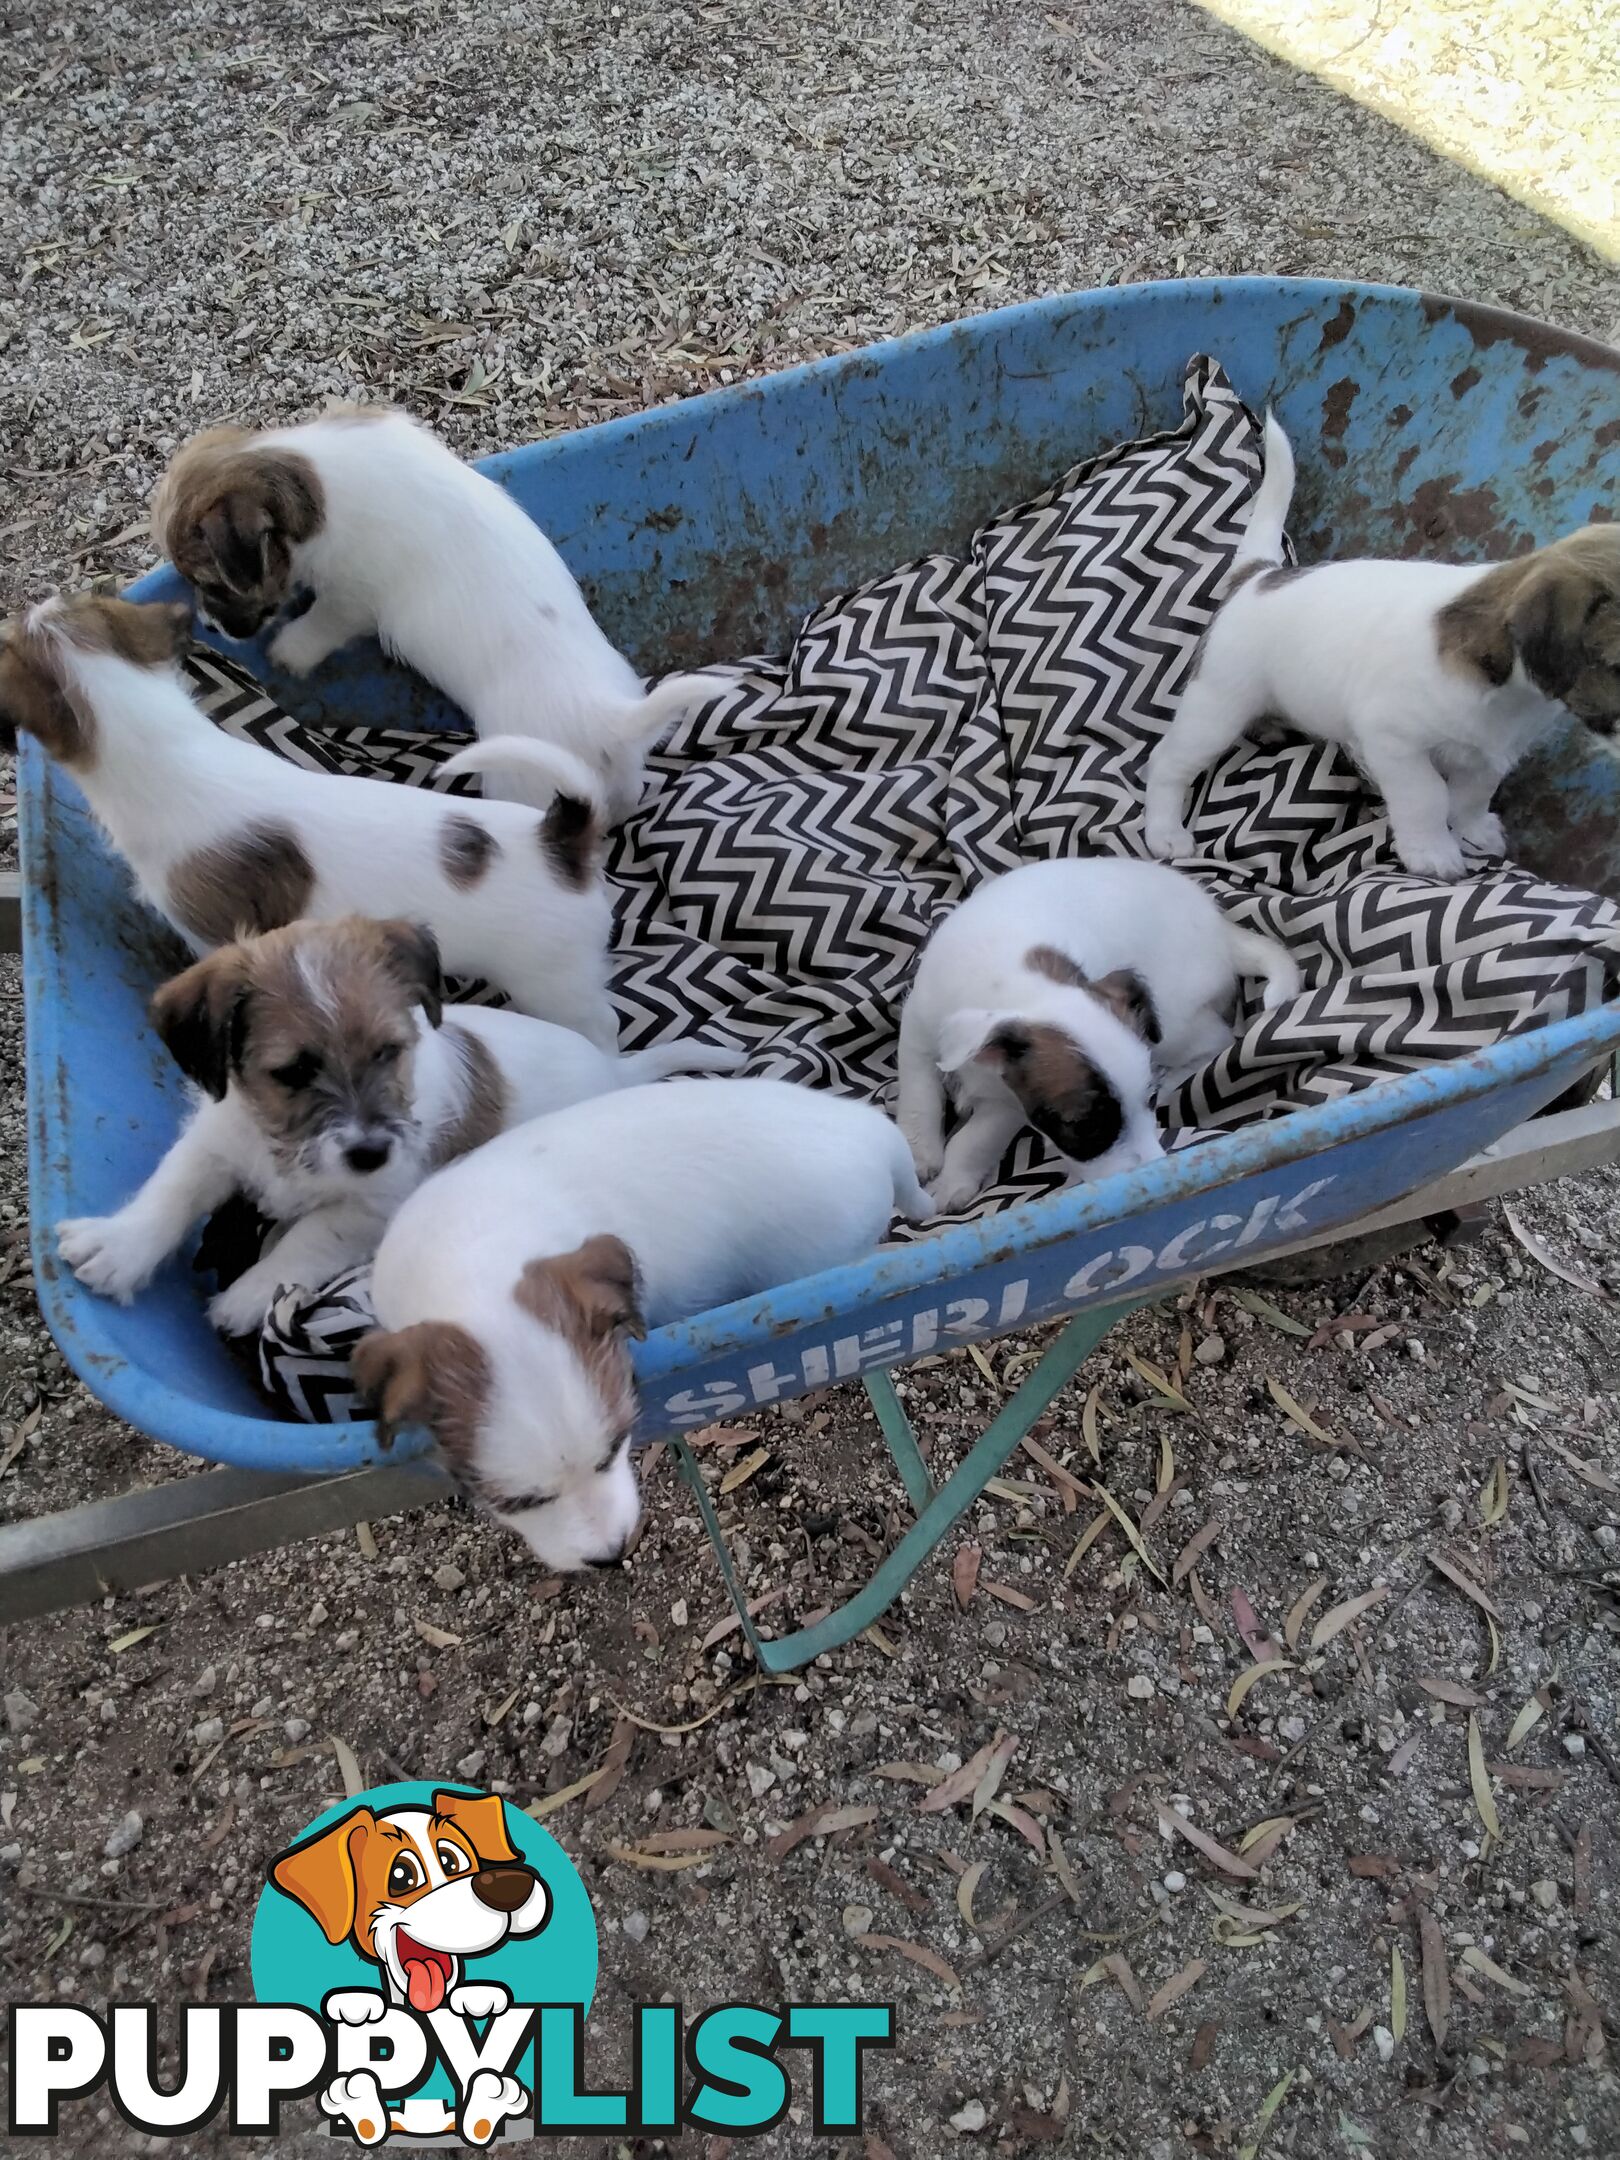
[
  {"x": 1435, "y": 677},
  {"x": 397, "y": 539},
  {"x": 509, "y": 1286},
  {"x": 1061, "y": 995},
  {"x": 331, "y": 1080},
  {"x": 226, "y": 839}
]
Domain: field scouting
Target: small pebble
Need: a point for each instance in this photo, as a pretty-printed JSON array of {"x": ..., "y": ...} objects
[
  {"x": 969, "y": 2118},
  {"x": 760, "y": 1780},
  {"x": 470, "y": 1765},
  {"x": 1175, "y": 1882},
  {"x": 296, "y": 1729},
  {"x": 857, "y": 1919},
  {"x": 449, "y": 1577},
  {"x": 206, "y": 1681},
  {"x": 1211, "y": 1350},
  {"x": 1574, "y": 1745},
  {"x": 125, "y": 1837},
  {"x": 1545, "y": 1893},
  {"x": 21, "y": 1711},
  {"x": 1384, "y": 2042},
  {"x": 637, "y": 1926},
  {"x": 1139, "y": 1688},
  {"x": 209, "y": 1733}
]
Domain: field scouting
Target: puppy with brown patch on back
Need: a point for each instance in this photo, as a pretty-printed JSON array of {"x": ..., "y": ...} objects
[
  {"x": 1063, "y": 995},
  {"x": 226, "y": 838},
  {"x": 331, "y": 1079},
  {"x": 1435, "y": 677},
  {"x": 510, "y": 1286},
  {"x": 397, "y": 539}
]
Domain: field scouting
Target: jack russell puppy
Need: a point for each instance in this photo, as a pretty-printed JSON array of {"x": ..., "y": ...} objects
[
  {"x": 1435, "y": 677},
  {"x": 1060, "y": 995},
  {"x": 509, "y": 1286},
  {"x": 226, "y": 838},
  {"x": 401, "y": 541},
  {"x": 331, "y": 1081}
]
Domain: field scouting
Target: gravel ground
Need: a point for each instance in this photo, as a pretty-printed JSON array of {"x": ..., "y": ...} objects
[{"x": 518, "y": 220}]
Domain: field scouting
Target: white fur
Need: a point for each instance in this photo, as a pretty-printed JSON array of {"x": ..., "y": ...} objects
[
  {"x": 166, "y": 782},
  {"x": 1348, "y": 654},
  {"x": 336, "y": 1214},
  {"x": 1102, "y": 914},
  {"x": 719, "y": 1188},
  {"x": 439, "y": 563}
]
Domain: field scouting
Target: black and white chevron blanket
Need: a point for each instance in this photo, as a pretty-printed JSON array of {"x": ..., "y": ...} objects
[{"x": 806, "y": 828}]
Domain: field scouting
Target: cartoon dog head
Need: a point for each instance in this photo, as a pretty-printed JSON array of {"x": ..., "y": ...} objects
[{"x": 417, "y": 1890}]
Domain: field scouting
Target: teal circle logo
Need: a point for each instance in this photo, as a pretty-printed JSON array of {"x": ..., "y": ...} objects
[{"x": 413, "y": 1918}]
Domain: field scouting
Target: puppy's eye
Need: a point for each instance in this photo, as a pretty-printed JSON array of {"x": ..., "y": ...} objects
[
  {"x": 452, "y": 1859},
  {"x": 387, "y": 1054},
  {"x": 298, "y": 1072},
  {"x": 405, "y": 1875}
]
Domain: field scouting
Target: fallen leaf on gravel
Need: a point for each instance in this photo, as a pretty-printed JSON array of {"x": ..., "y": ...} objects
[
  {"x": 1174, "y": 1988},
  {"x": 1436, "y": 1978},
  {"x": 824, "y": 1820},
  {"x": 1297, "y": 1414},
  {"x": 613, "y": 1765},
  {"x": 348, "y": 1766},
  {"x": 1130, "y": 1530},
  {"x": 1069, "y": 1487},
  {"x": 1522, "y": 1777},
  {"x": 1476, "y": 1961},
  {"x": 1299, "y": 1611},
  {"x": 734, "y": 1694},
  {"x": 1372, "y": 1866},
  {"x": 1063, "y": 1867},
  {"x": 1479, "y": 1780},
  {"x": 1116, "y": 1967},
  {"x": 965, "y": 1574},
  {"x": 1583, "y": 2032},
  {"x": 1026, "y": 1825},
  {"x": 1195, "y": 1548},
  {"x": 1248, "y": 1626},
  {"x": 222, "y": 1829},
  {"x": 1169, "y": 1395},
  {"x": 681, "y": 1841},
  {"x": 1203, "y": 2046},
  {"x": 984, "y": 1365},
  {"x": 1588, "y": 1472},
  {"x": 731, "y": 1623},
  {"x": 1247, "y": 1679},
  {"x": 1016, "y": 1598},
  {"x": 1088, "y": 1537},
  {"x": 1217, "y": 1854},
  {"x": 366, "y": 1542},
  {"x": 1272, "y": 1315},
  {"x": 137, "y": 1634},
  {"x": 1397, "y": 1993},
  {"x": 741, "y": 1472},
  {"x": 1493, "y": 1495},
  {"x": 960, "y": 1784},
  {"x": 1581, "y": 1857},
  {"x": 1528, "y": 1718},
  {"x": 1545, "y": 1257},
  {"x": 498, "y": 1713},
  {"x": 990, "y": 1777},
  {"x": 1339, "y": 1617},
  {"x": 540, "y": 1809},
  {"x": 725, "y": 1436},
  {"x": 879, "y": 1641},
  {"x": 1268, "y": 2107},
  {"x": 1252, "y": 1916},
  {"x": 59, "y": 1938},
  {"x": 888, "y": 1878},
  {"x": 966, "y": 1885},
  {"x": 1358, "y": 2139},
  {"x": 917, "y": 1953},
  {"x": 1453, "y": 1692},
  {"x": 655, "y": 1863},
  {"x": 1269, "y": 1834},
  {"x": 1469, "y": 1588},
  {"x": 1344, "y": 2037},
  {"x": 910, "y": 1773},
  {"x": 436, "y": 1638},
  {"x": 1167, "y": 1464}
]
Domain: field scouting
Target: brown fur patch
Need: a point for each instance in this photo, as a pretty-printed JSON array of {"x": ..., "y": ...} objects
[
  {"x": 1055, "y": 966},
  {"x": 1129, "y": 999},
  {"x": 466, "y": 851},
  {"x": 36, "y": 693},
  {"x": 229, "y": 511},
  {"x": 433, "y": 1374},
  {"x": 570, "y": 840},
  {"x": 1057, "y": 1087},
  {"x": 1265, "y": 577},
  {"x": 255, "y": 882},
  {"x": 589, "y": 1297},
  {"x": 485, "y": 1104},
  {"x": 1557, "y": 611}
]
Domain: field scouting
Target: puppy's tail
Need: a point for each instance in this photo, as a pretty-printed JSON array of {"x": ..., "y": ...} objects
[
  {"x": 911, "y": 1201},
  {"x": 1276, "y": 966},
  {"x": 641, "y": 1066},
  {"x": 1263, "y": 541},
  {"x": 641, "y": 722},
  {"x": 555, "y": 768}
]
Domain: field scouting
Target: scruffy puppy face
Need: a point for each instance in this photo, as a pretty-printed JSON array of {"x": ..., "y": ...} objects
[
  {"x": 540, "y": 1435},
  {"x": 230, "y": 512},
  {"x": 313, "y": 1027},
  {"x": 1558, "y": 613},
  {"x": 36, "y": 696}
]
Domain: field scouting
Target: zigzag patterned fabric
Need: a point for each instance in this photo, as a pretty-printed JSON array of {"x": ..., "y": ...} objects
[{"x": 805, "y": 829}]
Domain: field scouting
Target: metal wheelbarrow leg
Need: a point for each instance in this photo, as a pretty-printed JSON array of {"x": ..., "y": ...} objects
[{"x": 936, "y": 1506}]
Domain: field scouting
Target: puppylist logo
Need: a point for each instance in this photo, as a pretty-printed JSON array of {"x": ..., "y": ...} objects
[{"x": 424, "y": 1961}]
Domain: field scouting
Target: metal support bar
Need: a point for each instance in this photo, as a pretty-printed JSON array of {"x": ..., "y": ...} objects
[
  {"x": 896, "y": 1428},
  {"x": 10, "y": 911},
  {"x": 788, "y": 1652},
  {"x": 187, "y": 1526}
]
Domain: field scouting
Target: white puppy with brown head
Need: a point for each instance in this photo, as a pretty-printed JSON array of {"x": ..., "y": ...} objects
[
  {"x": 397, "y": 539},
  {"x": 226, "y": 838},
  {"x": 331, "y": 1080},
  {"x": 509, "y": 1286},
  {"x": 1435, "y": 677},
  {"x": 1060, "y": 996}
]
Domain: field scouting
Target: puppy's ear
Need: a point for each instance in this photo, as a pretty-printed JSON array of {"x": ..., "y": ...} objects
[
  {"x": 322, "y": 1874},
  {"x": 481, "y": 1818},
  {"x": 1474, "y": 633},
  {"x": 202, "y": 1018},
  {"x": 432, "y": 1374},
  {"x": 170, "y": 625},
  {"x": 413, "y": 955},
  {"x": 36, "y": 698},
  {"x": 976, "y": 1033},
  {"x": 592, "y": 1291},
  {"x": 1548, "y": 620},
  {"x": 1129, "y": 999},
  {"x": 234, "y": 529}
]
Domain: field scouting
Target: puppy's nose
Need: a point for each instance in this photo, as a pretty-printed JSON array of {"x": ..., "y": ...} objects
[
  {"x": 502, "y": 1889},
  {"x": 610, "y": 1559},
  {"x": 366, "y": 1155}
]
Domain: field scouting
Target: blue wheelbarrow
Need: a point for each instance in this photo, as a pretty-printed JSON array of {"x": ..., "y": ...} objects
[{"x": 706, "y": 530}]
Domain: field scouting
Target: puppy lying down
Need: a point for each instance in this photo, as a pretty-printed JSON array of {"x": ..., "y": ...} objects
[
  {"x": 509, "y": 1286},
  {"x": 332, "y": 1079},
  {"x": 1063, "y": 995}
]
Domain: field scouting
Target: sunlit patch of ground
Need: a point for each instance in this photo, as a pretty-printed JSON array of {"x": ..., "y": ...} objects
[{"x": 1523, "y": 92}]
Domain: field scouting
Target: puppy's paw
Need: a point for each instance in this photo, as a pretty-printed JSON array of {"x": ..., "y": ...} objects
[
  {"x": 109, "y": 1253},
  {"x": 241, "y": 1310},
  {"x": 1485, "y": 833},
  {"x": 1166, "y": 837},
  {"x": 299, "y": 646},
  {"x": 479, "y": 1999},
  {"x": 354, "y": 2006},
  {"x": 489, "y": 2101},
  {"x": 1441, "y": 859},
  {"x": 928, "y": 1153},
  {"x": 952, "y": 1192},
  {"x": 358, "y": 2101}
]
